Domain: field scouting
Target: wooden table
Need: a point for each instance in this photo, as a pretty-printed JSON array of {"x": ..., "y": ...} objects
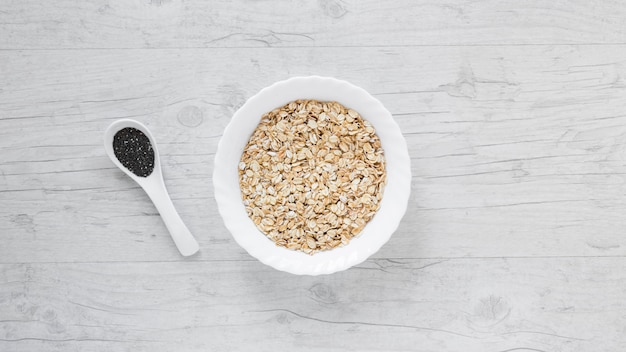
[{"x": 515, "y": 117}]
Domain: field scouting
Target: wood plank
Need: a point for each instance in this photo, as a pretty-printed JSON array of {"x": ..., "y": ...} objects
[
  {"x": 29, "y": 24},
  {"x": 526, "y": 304},
  {"x": 516, "y": 151}
]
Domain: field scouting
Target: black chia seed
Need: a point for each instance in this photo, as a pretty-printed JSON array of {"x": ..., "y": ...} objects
[{"x": 134, "y": 150}]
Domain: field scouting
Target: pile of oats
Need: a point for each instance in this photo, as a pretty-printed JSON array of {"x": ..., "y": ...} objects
[{"x": 312, "y": 175}]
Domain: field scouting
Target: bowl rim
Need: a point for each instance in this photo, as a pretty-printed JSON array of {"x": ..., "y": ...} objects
[{"x": 395, "y": 197}]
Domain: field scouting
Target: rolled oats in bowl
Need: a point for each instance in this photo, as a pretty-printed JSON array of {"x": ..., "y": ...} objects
[
  {"x": 312, "y": 175},
  {"x": 301, "y": 165}
]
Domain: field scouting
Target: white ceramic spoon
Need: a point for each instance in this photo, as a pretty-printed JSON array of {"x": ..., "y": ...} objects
[{"x": 154, "y": 187}]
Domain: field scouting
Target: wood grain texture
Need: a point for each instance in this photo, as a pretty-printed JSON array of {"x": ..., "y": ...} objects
[
  {"x": 516, "y": 151},
  {"x": 328, "y": 23},
  {"x": 514, "y": 114},
  {"x": 566, "y": 304}
]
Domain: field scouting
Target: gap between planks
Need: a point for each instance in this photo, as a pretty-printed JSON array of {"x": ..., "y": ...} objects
[
  {"x": 318, "y": 46},
  {"x": 370, "y": 259}
]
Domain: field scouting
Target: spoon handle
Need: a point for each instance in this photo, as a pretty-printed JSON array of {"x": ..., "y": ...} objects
[{"x": 184, "y": 240}]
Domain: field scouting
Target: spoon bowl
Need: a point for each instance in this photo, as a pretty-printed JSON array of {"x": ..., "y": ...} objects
[{"x": 154, "y": 186}]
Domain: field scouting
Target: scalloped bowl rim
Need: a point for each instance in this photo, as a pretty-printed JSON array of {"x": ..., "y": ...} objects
[{"x": 226, "y": 179}]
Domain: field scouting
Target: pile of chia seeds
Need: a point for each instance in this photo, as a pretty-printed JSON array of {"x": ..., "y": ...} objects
[{"x": 134, "y": 150}]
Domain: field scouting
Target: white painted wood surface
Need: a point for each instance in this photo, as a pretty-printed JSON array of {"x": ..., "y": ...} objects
[{"x": 515, "y": 116}]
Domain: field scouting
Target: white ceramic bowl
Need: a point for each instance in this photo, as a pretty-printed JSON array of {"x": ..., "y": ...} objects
[{"x": 226, "y": 178}]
